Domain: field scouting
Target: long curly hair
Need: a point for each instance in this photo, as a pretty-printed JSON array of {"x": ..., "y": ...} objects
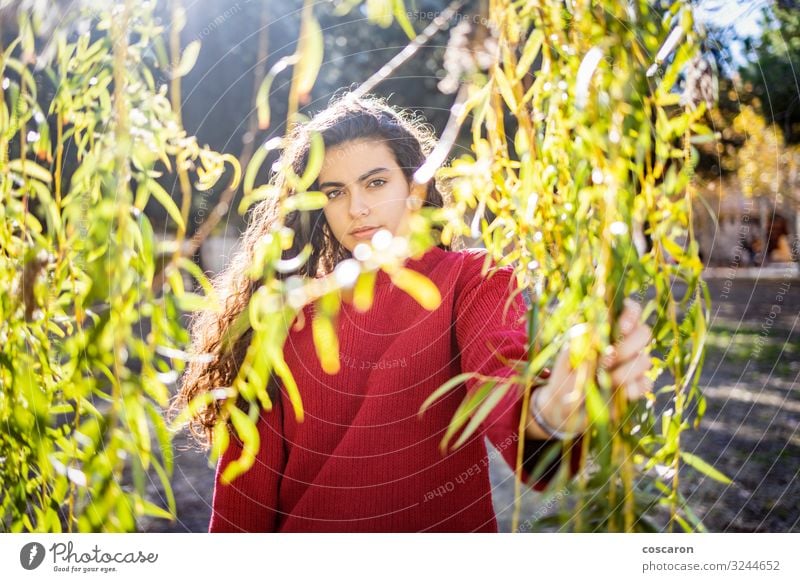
[{"x": 345, "y": 119}]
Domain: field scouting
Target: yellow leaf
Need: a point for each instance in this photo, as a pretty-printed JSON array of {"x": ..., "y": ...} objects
[
  {"x": 326, "y": 343},
  {"x": 167, "y": 202},
  {"x": 188, "y": 59},
  {"x": 305, "y": 201},
  {"x": 30, "y": 169},
  {"x": 310, "y": 54},
  {"x": 422, "y": 289},
  {"x": 363, "y": 291},
  {"x": 248, "y": 434}
]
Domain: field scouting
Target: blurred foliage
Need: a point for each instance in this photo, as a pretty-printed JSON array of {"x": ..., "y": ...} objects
[
  {"x": 90, "y": 343},
  {"x": 756, "y": 117},
  {"x": 765, "y": 165},
  {"x": 774, "y": 64},
  {"x": 608, "y": 100}
]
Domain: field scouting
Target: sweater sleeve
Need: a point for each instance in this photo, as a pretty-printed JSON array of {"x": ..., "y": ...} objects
[
  {"x": 488, "y": 334},
  {"x": 250, "y": 502}
]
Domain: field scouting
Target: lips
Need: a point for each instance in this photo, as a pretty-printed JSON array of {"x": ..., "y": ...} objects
[{"x": 363, "y": 229}]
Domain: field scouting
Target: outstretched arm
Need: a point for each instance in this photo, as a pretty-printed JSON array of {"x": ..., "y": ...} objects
[{"x": 490, "y": 336}]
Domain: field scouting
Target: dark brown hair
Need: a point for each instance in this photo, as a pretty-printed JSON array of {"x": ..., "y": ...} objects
[{"x": 344, "y": 120}]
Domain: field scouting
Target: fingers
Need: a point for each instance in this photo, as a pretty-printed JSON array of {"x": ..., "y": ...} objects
[
  {"x": 637, "y": 389},
  {"x": 564, "y": 410},
  {"x": 630, "y": 316},
  {"x": 635, "y": 342},
  {"x": 632, "y": 370}
]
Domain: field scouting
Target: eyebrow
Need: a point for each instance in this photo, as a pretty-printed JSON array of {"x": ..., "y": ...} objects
[{"x": 363, "y": 176}]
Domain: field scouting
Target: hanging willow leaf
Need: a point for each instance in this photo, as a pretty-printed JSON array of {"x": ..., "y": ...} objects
[
  {"x": 285, "y": 374},
  {"x": 532, "y": 47},
  {"x": 30, "y": 169},
  {"x": 697, "y": 463},
  {"x": 166, "y": 201},
  {"x": 305, "y": 202},
  {"x": 262, "y": 96},
  {"x": 316, "y": 156},
  {"x": 380, "y": 12},
  {"x": 251, "y": 441},
  {"x": 188, "y": 59},
  {"x": 220, "y": 442},
  {"x": 444, "y": 388},
  {"x": 363, "y": 290},
  {"x": 465, "y": 410},
  {"x": 422, "y": 289},
  {"x": 310, "y": 54},
  {"x": 324, "y": 335},
  {"x": 401, "y": 15},
  {"x": 486, "y": 407}
]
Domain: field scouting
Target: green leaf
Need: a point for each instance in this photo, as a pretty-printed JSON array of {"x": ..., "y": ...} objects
[
  {"x": 530, "y": 52},
  {"x": 401, "y": 15},
  {"x": 219, "y": 442},
  {"x": 163, "y": 476},
  {"x": 289, "y": 383},
  {"x": 486, "y": 407},
  {"x": 471, "y": 401},
  {"x": 259, "y": 194},
  {"x": 505, "y": 88},
  {"x": 193, "y": 408},
  {"x": 380, "y": 12},
  {"x": 149, "y": 508},
  {"x": 188, "y": 59},
  {"x": 699, "y": 464},
  {"x": 194, "y": 302},
  {"x": 163, "y": 436},
  {"x": 251, "y": 172},
  {"x": 31, "y": 169},
  {"x": 363, "y": 290},
  {"x": 194, "y": 269},
  {"x": 306, "y": 201},
  {"x": 262, "y": 102},
  {"x": 262, "y": 96},
  {"x": 316, "y": 156},
  {"x": 167, "y": 202},
  {"x": 310, "y": 53},
  {"x": 251, "y": 441},
  {"x": 446, "y": 387}
]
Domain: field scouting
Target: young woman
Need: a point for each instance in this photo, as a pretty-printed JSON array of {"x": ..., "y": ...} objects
[{"x": 362, "y": 458}]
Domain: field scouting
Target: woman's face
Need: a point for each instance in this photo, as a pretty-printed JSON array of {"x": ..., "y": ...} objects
[{"x": 365, "y": 189}]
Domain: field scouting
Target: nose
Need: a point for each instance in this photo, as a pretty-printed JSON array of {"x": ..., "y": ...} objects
[{"x": 358, "y": 203}]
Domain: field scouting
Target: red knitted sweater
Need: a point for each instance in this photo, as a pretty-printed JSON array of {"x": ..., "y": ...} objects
[{"x": 363, "y": 460}]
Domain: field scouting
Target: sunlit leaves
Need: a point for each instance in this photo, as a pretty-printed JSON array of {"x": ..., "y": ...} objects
[
  {"x": 305, "y": 201},
  {"x": 422, "y": 289},
  {"x": 598, "y": 149},
  {"x": 248, "y": 434},
  {"x": 262, "y": 95},
  {"x": 90, "y": 349},
  {"x": 324, "y": 334},
  {"x": 310, "y": 53},
  {"x": 188, "y": 59},
  {"x": 30, "y": 169}
]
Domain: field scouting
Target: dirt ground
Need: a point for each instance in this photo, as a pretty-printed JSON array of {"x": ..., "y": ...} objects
[{"x": 749, "y": 431}]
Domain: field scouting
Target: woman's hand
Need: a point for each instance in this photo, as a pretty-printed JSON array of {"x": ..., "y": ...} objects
[{"x": 561, "y": 405}]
